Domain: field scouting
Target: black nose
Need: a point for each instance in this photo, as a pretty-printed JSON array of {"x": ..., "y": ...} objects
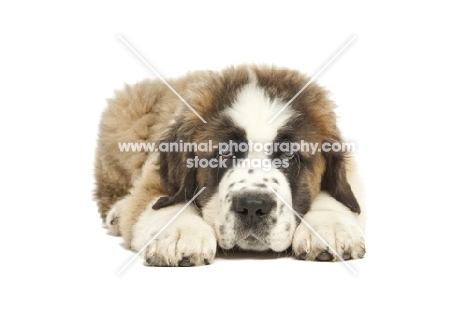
[{"x": 253, "y": 207}]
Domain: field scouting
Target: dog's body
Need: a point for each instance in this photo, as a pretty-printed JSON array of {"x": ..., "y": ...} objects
[{"x": 248, "y": 208}]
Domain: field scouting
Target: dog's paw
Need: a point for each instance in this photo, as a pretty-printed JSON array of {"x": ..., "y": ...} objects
[
  {"x": 183, "y": 244},
  {"x": 328, "y": 236},
  {"x": 112, "y": 220},
  {"x": 173, "y": 236}
]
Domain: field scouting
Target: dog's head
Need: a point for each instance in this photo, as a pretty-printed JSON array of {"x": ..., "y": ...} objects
[{"x": 261, "y": 164}]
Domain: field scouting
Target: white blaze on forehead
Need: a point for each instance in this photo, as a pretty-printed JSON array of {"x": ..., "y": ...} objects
[{"x": 252, "y": 111}]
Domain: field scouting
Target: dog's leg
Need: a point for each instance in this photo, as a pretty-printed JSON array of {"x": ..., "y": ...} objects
[
  {"x": 330, "y": 221},
  {"x": 112, "y": 218},
  {"x": 124, "y": 214},
  {"x": 187, "y": 240},
  {"x": 338, "y": 226},
  {"x": 177, "y": 236}
]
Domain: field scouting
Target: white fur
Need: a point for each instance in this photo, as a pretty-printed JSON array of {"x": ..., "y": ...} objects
[
  {"x": 218, "y": 210},
  {"x": 252, "y": 111},
  {"x": 188, "y": 236},
  {"x": 112, "y": 218},
  {"x": 341, "y": 229}
]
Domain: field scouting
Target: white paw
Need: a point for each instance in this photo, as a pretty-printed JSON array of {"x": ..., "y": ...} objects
[
  {"x": 112, "y": 219},
  {"x": 187, "y": 241},
  {"x": 334, "y": 236}
]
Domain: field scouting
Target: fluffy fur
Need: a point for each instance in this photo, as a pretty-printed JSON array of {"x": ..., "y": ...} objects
[{"x": 139, "y": 192}]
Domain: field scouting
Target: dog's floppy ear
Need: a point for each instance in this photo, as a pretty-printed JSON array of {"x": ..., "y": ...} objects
[
  {"x": 178, "y": 181},
  {"x": 334, "y": 180}
]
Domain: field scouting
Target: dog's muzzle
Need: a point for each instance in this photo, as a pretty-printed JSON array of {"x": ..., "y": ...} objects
[{"x": 253, "y": 207}]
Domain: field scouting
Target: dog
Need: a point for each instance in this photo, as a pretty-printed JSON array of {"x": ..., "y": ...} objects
[{"x": 178, "y": 206}]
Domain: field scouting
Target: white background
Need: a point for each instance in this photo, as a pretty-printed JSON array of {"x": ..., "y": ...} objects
[{"x": 401, "y": 90}]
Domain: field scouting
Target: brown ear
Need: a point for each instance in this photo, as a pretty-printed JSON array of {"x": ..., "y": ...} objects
[
  {"x": 178, "y": 181},
  {"x": 334, "y": 181}
]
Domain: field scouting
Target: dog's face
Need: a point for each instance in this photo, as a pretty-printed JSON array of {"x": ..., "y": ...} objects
[{"x": 258, "y": 183}]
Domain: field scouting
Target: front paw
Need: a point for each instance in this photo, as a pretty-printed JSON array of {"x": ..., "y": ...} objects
[
  {"x": 112, "y": 218},
  {"x": 183, "y": 245},
  {"x": 328, "y": 236}
]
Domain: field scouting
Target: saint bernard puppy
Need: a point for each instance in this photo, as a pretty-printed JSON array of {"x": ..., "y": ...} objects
[{"x": 302, "y": 199}]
